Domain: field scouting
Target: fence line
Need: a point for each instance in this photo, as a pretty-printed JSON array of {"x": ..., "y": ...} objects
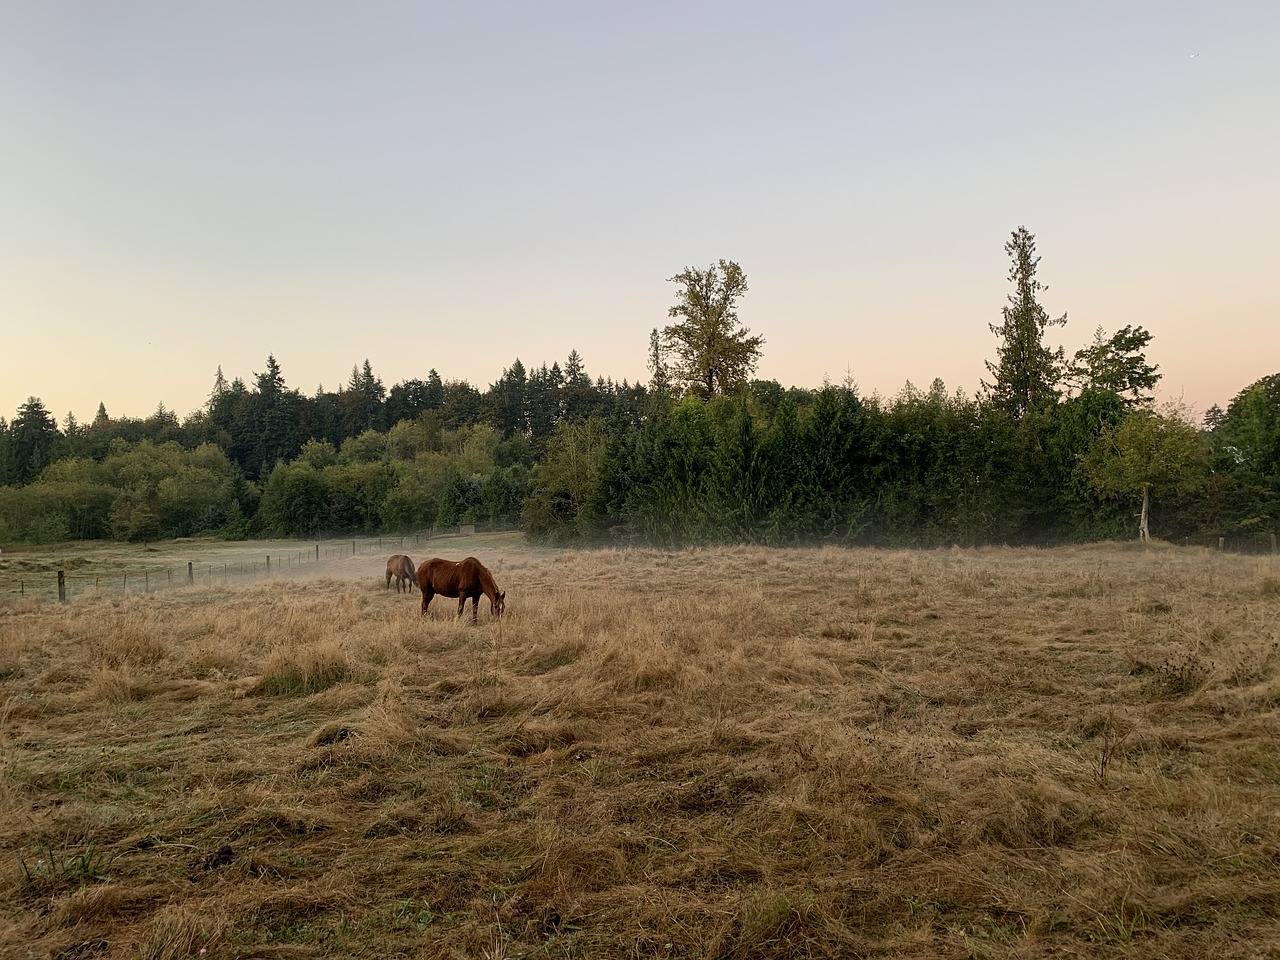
[
  {"x": 1258, "y": 544},
  {"x": 208, "y": 574}
]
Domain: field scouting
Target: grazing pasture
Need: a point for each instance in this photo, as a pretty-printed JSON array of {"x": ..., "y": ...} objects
[{"x": 725, "y": 753}]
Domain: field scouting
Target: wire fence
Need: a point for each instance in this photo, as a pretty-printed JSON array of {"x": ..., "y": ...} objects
[
  {"x": 280, "y": 560},
  {"x": 1254, "y": 544}
]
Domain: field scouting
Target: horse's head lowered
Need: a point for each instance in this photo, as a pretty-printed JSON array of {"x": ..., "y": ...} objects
[{"x": 498, "y": 603}]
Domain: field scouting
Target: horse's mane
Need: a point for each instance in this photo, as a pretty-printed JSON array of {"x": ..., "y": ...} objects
[{"x": 487, "y": 583}]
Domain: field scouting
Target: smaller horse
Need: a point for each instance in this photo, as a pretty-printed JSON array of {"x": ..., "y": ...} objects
[
  {"x": 401, "y": 567},
  {"x": 464, "y": 579}
]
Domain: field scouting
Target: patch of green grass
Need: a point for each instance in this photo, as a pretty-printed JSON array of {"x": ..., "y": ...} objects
[{"x": 57, "y": 870}]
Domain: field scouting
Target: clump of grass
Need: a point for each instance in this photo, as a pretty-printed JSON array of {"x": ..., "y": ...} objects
[
  {"x": 116, "y": 685},
  {"x": 134, "y": 641},
  {"x": 53, "y": 870},
  {"x": 1181, "y": 674},
  {"x": 183, "y": 931},
  {"x": 302, "y": 671}
]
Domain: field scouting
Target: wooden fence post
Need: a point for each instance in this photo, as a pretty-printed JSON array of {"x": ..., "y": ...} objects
[
  {"x": 191, "y": 574},
  {"x": 317, "y": 551},
  {"x": 62, "y": 586},
  {"x": 1222, "y": 542},
  {"x": 268, "y": 563},
  {"x": 1273, "y": 544}
]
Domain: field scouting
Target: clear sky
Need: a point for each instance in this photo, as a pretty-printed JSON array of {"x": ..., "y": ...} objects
[{"x": 185, "y": 185}]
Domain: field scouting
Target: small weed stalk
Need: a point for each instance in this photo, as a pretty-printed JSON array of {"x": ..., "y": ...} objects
[{"x": 1113, "y": 735}]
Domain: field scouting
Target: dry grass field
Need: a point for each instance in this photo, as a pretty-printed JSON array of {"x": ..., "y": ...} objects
[{"x": 728, "y": 753}]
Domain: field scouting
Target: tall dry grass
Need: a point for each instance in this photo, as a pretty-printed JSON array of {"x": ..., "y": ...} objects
[{"x": 715, "y": 753}]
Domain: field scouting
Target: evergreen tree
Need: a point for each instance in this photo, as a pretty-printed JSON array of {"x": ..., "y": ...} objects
[
  {"x": 1247, "y": 444},
  {"x": 270, "y": 381},
  {"x": 8, "y": 468},
  {"x": 462, "y": 405},
  {"x": 361, "y": 404},
  {"x": 1027, "y": 373},
  {"x": 509, "y": 401},
  {"x": 575, "y": 374},
  {"x": 410, "y": 398},
  {"x": 579, "y": 397},
  {"x": 660, "y": 374},
  {"x": 270, "y": 432},
  {"x": 1118, "y": 364},
  {"x": 220, "y": 388},
  {"x": 34, "y": 438},
  {"x": 544, "y": 401}
]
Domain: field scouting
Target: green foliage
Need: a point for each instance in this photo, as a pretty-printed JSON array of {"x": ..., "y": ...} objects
[
  {"x": 139, "y": 491},
  {"x": 33, "y": 440},
  {"x": 56, "y": 870},
  {"x": 294, "y": 501},
  {"x": 369, "y": 447},
  {"x": 942, "y": 465},
  {"x": 577, "y": 460},
  {"x": 1245, "y": 489},
  {"x": 1027, "y": 373},
  {"x": 712, "y": 355},
  {"x": 1118, "y": 364},
  {"x": 318, "y": 454},
  {"x": 1148, "y": 452},
  {"x": 1084, "y": 512},
  {"x": 563, "y": 503}
]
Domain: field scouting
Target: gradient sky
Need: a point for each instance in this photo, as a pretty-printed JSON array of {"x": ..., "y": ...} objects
[{"x": 185, "y": 185}]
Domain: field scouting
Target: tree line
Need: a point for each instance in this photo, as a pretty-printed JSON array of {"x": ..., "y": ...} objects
[{"x": 1053, "y": 449}]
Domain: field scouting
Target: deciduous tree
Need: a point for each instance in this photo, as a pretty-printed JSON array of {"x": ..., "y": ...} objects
[
  {"x": 1148, "y": 451},
  {"x": 713, "y": 354}
]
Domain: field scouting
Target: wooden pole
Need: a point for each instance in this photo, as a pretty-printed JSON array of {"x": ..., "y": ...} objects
[
  {"x": 191, "y": 574},
  {"x": 62, "y": 586},
  {"x": 1222, "y": 542}
]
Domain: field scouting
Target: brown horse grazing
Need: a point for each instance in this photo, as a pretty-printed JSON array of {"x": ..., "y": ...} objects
[
  {"x": 401, "y": 567},
  {"x": 466, "y": 578}
]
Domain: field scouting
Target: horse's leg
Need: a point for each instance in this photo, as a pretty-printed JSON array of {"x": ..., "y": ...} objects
[
  {"x": 475, "y": 609},
  {"x": 462, "y": 604},
  {"x": 389, "y": 578},
  {"x": 427, "y": 594}
]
